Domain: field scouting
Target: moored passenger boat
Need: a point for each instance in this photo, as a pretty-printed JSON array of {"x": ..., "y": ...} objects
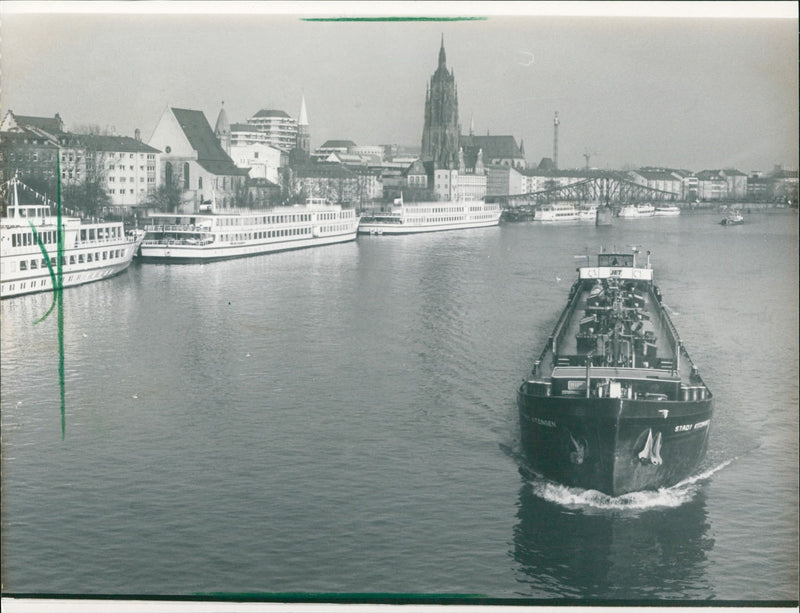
[
  {"x": 204, "y": 237},
  {"x": 588, "y": 211},
  {"x": 30, "y": 251},
  {"x": 414, "y": 217},
  {"x": 614, "y": 402},
  {"x": 558, "y": 211},
  {"x": 637, "y": 211},
  {"x": 667, "y": 210}
]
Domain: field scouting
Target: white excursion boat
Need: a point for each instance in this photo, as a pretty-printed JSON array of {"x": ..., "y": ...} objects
[
  {"x": 667, "y": 210},
  {"x": 560, "y": 211},
  {"x": 588, "y": 212},
  {"x": 409, "y": 218},
  {"x": 29, "y": 249},
  {"x": 636, "y": 211},
  {"x": 203, "y": 237}
]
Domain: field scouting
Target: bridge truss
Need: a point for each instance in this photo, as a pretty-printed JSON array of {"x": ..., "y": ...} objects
[{"x": 608, "y": 188}]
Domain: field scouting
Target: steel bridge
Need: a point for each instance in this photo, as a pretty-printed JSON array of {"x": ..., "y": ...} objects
[{"x": 610, "y": 188}]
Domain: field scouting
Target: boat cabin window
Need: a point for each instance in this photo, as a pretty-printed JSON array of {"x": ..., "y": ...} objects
[{"x": 615, "y": 259}]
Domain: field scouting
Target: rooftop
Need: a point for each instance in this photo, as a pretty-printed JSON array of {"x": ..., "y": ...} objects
[
  {"x": 338, "y": 144},
  {"x": 210, "y": 154},
  {"x": 100, "y": 142},
  {"x": 272, "y": 113}
]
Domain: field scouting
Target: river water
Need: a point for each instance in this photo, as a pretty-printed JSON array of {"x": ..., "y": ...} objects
[{"x": 342, "y": 420}]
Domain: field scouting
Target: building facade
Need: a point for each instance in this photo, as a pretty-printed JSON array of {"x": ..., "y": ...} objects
[
  {"x": 260, "y": 160},
  {"x": 658, "y": 178},
  {"x": 127, "y": 168},
  {"x": 41, "y": 151},
  {"x": 278, "y": 127},
  {"x": 30, "y": 155}
]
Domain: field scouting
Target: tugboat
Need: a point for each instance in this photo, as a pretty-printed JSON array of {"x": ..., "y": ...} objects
[
  {"x": 614, "y": 402},
  {"x": 733, "y": 219}
]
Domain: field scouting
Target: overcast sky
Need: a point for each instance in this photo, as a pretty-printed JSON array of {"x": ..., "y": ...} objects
[{"x": 689, "y": 93}]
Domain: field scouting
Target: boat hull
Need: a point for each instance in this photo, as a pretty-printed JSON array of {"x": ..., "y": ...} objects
[
  {"x": 613, "y": 445},
  {"x": 71, "y": 276},
  {"x": 188, "y": 254},
  {"x": 389, "y": 228}
]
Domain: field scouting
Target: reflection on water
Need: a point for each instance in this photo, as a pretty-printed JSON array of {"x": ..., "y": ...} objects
[{"x": 596, "y": 552}]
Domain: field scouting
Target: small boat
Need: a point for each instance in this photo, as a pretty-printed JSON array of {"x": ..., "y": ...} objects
[
  {"x": 637, "y": 211},
  {"x": 412, "y": 218},
  {"x": 30, "y": 249},
  {"x": 667, "y": 210},
  {"x": 209, "y": 236},
  {"x": 734, "y": 218},
  {"x": 614, "y": 402}
]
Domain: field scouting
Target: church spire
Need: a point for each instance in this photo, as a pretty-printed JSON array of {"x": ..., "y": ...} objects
[
  {"x": 303, "y": 138},
  {"x": 442, "y": 58},
  {"x": 222, "y": 130},
  {"x": 302, "y": 120}
]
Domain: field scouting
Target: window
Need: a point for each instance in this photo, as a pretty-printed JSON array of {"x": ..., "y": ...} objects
[{"x": 186, "y": 175}]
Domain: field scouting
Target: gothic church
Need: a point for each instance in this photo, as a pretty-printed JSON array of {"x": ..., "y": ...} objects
[{"x": 441, "y": 131}]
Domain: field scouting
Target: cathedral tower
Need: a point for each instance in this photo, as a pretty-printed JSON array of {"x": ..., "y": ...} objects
[{"x": 441, "y": 130}]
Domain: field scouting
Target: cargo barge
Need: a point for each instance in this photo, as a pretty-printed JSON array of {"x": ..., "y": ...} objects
[{"x": 614, "y": 402}]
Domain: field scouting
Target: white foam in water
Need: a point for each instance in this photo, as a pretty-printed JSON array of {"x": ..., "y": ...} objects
[{"x": 668, "y": 497}]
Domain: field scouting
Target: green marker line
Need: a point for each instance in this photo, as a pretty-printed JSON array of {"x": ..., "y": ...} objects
[
  {"x": 46, "y": 255},
  {"x": 394, "y": 19},
  {"x": 57, "y": 280}
]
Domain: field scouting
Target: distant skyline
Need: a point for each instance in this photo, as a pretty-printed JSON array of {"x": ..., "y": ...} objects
[{"x": 690, "y": 93}]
